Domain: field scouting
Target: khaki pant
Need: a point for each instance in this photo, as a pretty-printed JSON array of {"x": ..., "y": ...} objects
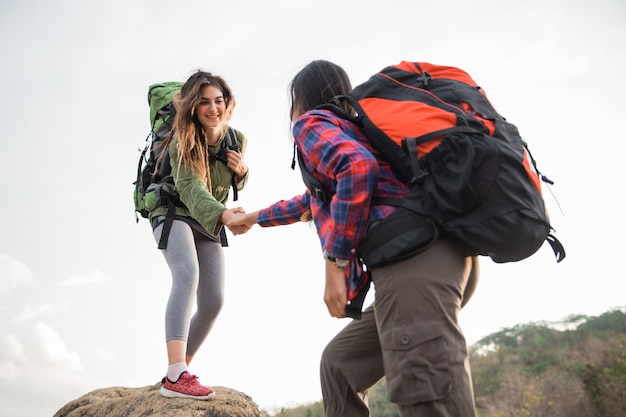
[{"x": 411, "y": 336}]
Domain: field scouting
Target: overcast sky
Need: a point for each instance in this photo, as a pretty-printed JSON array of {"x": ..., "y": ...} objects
[{"x": 83, "y": 287}]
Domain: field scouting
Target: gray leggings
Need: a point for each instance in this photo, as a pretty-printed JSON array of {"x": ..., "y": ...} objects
[{"x": 197, "y": 266}]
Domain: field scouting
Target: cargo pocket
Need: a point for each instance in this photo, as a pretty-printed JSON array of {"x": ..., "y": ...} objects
[{"x": 416, "y": 363}]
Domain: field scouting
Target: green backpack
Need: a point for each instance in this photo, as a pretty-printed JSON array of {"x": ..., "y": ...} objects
[
  {"x": 149, "y": 183},
  {"x": 155, "y": 188}
]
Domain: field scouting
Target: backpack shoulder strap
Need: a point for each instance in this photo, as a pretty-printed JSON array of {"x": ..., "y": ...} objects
[
  {"x": 316, "y": 188},
  {"x": 231, "y": 139},
  {"x": 231, "y": 143}
]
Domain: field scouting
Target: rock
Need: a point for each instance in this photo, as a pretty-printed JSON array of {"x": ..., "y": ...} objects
[{"x": 147, "y": 402}]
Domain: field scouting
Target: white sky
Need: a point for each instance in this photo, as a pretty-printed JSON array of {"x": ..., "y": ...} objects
[{"x": 83, "y": 287}]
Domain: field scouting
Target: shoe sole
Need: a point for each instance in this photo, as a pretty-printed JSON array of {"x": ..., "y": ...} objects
[{"x": 173, "y": 394}]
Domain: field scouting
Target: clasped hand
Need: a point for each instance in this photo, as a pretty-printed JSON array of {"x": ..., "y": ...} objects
[
  {"x": 238, "y": 221},
  {"x": 230, "y": 219}
]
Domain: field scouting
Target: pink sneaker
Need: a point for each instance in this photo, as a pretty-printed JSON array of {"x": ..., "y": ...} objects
[{"x": 187, "y": 386}]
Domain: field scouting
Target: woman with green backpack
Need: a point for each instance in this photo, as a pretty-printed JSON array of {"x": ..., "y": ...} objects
[{"x": 202, "y": 169}]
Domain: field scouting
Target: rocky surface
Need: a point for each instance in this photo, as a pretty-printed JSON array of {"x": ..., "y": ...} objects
[{"x": 147, "y": 402}]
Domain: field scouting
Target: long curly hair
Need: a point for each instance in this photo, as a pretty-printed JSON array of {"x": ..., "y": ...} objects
[{"x": 192, "y": 142}]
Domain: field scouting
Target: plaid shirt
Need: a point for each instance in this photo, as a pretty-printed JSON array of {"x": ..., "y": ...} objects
[{"x": 340, "y": 156}]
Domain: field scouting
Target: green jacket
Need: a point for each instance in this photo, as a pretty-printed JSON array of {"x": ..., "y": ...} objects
[{"x": 203, "y": 205}]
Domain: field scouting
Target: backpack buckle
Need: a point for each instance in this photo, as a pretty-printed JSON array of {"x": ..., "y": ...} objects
[{"x": 320, "y": 195}]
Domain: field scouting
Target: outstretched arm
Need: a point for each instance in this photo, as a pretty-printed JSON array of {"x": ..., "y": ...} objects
[{"x": 283, "y": 212}]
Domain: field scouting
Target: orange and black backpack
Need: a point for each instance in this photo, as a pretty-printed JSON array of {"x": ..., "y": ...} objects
[{"x": 470, "y": 173}]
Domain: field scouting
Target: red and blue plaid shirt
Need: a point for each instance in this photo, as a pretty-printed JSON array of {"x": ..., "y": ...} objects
[{"x": 340, "y": 156}]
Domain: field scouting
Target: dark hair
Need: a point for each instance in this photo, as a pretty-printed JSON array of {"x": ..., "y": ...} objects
[{"x": 317, "y": 83}]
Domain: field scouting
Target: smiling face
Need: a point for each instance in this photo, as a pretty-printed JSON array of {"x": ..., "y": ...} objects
[{"x": 211, "y": 108}]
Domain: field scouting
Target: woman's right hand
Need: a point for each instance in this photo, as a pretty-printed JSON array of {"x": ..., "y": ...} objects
[
  {"x": 335, "y": 291},
  {"x": 240, "y": 220},
  {"x": 230, "y": 219}
]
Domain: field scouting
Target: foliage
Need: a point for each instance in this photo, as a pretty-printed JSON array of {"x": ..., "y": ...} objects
[
  {"x": 308, "y": 410},
  {"x": 574, "y": 368},
  {"x": 537, "y": 370},
  {"x": 379, "y": 403}
]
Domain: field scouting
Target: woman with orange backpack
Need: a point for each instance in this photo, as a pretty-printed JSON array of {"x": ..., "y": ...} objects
[{"x": 410, "y": 335}]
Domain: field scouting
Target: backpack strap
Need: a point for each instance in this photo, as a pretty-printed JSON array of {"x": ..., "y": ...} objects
[
  {"x": 166, "y": 198},
  {"x": 316, "y": 188},
  {"x": 231, "y": 143},
  {"x": 354, "y": 307},
  {"x": 557, "y": 247},
  {"x": 167, "y": 224},
  {"x": 138, "y": 183}
]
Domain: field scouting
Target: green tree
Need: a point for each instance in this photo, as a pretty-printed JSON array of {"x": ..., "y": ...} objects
[{"x": 574, "y": 368}]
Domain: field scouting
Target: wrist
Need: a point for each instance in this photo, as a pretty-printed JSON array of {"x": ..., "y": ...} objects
[
  {"x": 339, "y": 263},
  {"x": 250, "y": 219},
  {"x": 224, "y": 217}
]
